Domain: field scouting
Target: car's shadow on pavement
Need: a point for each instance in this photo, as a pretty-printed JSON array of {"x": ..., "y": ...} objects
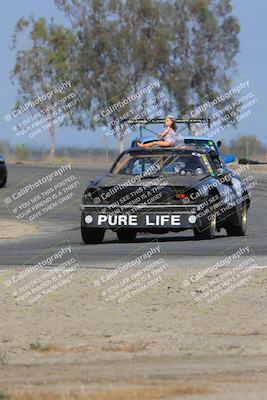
[{"x": 162, "y": 239}]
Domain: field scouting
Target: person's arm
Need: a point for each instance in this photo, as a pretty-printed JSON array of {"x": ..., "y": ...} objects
[{"x": 164, "y": 133}]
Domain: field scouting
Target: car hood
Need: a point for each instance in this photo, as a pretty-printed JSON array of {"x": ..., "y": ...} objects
[{"x": 132, "y": 180}]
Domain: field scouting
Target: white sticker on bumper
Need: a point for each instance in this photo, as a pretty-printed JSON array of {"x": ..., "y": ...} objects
[{"x": 149, "y": 220}]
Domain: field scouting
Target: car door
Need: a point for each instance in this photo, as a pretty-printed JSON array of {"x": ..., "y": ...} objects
[{"x": 227, "y": 186}]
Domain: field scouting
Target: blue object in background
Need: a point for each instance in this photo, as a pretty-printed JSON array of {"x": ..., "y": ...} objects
[{"x": 229, "y": 158}]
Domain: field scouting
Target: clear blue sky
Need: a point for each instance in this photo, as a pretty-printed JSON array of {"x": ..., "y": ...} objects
[{"x": 252, "y": 66}]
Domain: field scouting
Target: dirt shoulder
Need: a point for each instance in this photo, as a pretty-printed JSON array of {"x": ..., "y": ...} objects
[
  {"x": 160, "y": 344},
  {"x": 14, "y": 229}
]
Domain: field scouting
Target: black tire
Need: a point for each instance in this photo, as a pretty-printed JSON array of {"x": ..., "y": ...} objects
[
  {"x": 126, "y": 235},
  {"x": 3, "y": 183},
  {"x": 241, "y": 228},
  {"x": 92, "y": 235},
  {"x": 207, "y": 230}
]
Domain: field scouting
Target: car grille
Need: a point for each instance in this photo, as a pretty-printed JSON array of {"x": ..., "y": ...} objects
[{"x": 136, "y": 195}]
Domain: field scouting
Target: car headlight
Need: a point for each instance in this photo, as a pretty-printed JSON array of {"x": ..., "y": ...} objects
[{"x": 86, "y": 198}]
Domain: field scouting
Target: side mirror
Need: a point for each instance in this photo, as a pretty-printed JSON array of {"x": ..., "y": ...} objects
[
  {"x": 219, "y": 143},
  {"x": 229, "y": 158}
]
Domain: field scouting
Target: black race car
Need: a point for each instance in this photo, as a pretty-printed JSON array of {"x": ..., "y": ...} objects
[
  {"x": 3, "y": 172},
  {"x": 159, "y": 190}
]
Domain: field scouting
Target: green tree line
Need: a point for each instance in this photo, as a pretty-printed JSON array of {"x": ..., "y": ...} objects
[
  {"x": 243, "y": 147},
  {"x": 111, "y": 47}
]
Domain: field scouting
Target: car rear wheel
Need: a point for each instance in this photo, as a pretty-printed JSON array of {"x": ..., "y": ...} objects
[
  {"x": 241, "y": 228},
  {"x": 92, "y": 235},
  {"x": 125, "y": 234},
  {"x": 207, "y": 228}
]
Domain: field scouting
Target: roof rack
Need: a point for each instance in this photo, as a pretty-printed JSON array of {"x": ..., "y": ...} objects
[
  {"x": 157, "y": 149},
  {"x": 145, "y": 121}
]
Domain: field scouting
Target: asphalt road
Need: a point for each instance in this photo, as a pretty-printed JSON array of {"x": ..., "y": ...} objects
[{"x": 63, "y": 226}]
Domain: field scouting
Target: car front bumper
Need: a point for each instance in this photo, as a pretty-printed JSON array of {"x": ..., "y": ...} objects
[{"x": 141, "y": 217}]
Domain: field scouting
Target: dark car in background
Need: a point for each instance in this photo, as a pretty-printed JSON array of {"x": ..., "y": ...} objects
[
  {"x": 160, "y": 190},
  {"x": 3, "y": 171}
]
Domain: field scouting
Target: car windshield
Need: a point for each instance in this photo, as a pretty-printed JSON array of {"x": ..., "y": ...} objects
[{"x": 183, "y": 164}]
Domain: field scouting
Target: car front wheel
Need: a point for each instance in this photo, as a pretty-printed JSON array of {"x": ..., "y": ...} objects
[
  {"x": 241, "y": 228},
  {"x": 207, "y": 228},
  {"x": 92, "y": 235}
]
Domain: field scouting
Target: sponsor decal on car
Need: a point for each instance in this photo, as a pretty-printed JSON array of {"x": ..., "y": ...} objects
[{"x": 148, "y": 220}]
